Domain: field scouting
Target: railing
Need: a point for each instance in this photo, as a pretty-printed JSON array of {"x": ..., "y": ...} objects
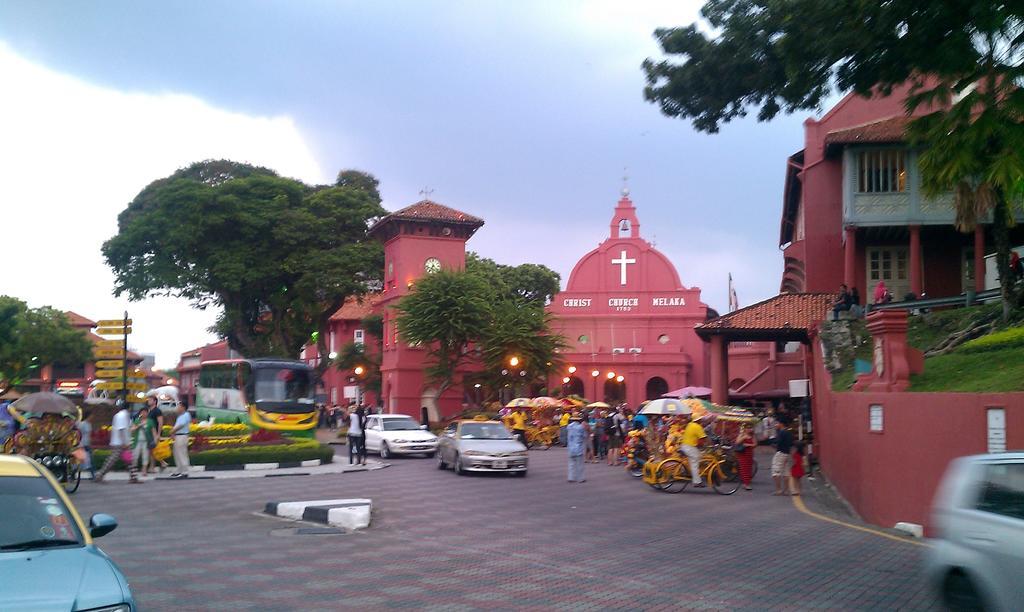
[{"x": 959, "y": 301}]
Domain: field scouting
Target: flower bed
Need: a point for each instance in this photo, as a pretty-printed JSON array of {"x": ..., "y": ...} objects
[{"x": 302, "y": 450}]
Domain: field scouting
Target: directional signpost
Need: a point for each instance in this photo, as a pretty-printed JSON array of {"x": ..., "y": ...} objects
[{"x": 117, "y": 350}]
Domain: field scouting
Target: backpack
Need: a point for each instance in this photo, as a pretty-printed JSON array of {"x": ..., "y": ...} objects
[{"x": 610, "y": 426}]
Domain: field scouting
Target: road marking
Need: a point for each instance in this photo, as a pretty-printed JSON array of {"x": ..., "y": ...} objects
[{"x": 799, "y": 503}]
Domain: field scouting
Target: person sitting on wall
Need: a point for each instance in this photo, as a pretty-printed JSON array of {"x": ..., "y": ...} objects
[
  {"x": 843, "y": 302},
  {"x": 855, "y": 308},
  {"x": 882, "y": 295}
]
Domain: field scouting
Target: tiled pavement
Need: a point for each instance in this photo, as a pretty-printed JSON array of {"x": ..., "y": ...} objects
[{"x": 445, "y": 542}]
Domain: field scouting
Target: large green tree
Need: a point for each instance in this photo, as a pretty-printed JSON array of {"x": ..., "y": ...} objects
[
  {"x": 279, "y": 257},
  {"x": 477, "y": 319},
  {"x": 33, "y": 337},
  {"x": 962, "y": 58}
]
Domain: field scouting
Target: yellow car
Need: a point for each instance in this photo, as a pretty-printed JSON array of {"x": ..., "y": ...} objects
[{"x": 47, "y": 557}]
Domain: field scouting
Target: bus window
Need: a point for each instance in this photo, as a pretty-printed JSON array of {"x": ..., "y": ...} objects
[{"x": 282, "y": 385}]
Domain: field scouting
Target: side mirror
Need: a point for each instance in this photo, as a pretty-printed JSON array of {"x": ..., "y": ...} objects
[
  {"x": 423, "y": 427},
  {"x": 101, "y": 524}
]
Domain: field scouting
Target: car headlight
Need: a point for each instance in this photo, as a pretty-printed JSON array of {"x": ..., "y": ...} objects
[
  {"x": 399, "y": 441},
  {"x": 519, "y": 454},
  {"x": 474, "y": 453},
  {"x": 117, "y": 608}
]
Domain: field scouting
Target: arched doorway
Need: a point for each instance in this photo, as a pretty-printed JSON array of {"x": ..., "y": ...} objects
[
  {"x": 574, "y": 386},
  {"x": 656, "y": 387},
  {"x": 614, "y": 391},
  {"x": 736, "y": 383}
]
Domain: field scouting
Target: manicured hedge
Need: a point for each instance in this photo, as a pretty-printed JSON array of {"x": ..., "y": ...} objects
[
  {"x": 303, "y": 450},
  {"x": 1007, "y": 338}
]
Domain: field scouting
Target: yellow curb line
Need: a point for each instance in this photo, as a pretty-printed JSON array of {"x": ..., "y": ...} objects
[{"x": 799, "y": 503}]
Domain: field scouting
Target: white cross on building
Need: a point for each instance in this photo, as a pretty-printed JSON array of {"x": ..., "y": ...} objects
[{"x": 622, "y": 262}]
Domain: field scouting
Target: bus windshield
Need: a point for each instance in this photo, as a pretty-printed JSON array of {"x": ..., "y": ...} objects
[{"x": 283, "y": 385}]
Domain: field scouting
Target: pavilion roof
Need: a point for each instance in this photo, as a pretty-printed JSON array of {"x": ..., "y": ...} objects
[
  {"x": 787, "y": 316},
  {"x": 78, "y": 320},
  {"x": 887, "y": 130}
]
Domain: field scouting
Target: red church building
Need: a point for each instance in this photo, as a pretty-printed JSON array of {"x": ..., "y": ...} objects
[{"x": 628, "y": 320}]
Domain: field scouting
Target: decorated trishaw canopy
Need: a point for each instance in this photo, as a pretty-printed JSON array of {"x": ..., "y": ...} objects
[
  {"x": 545, "y": 402},
  {"x": 520, "y": 402},
  {"x": 46, "y": 403},
  {"x": 667, "y": 406},
  {"x": 598, "y": 405}
]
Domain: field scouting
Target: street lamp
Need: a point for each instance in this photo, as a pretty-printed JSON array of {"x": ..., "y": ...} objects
[
  {"x": 620, "y": 378},
  {"x": 332, "y": 355},
  {"x": 359, "y": 370},
  {"x": 610, "y": 375},
  {"x": 513, "y": 361},
  {"x": 565, "y": 380},
  {"x": 572, "y": 369}
]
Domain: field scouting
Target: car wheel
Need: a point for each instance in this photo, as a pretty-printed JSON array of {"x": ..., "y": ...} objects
[
  {"x": 958, "y": 593},
  {"x": 385, "y": 452},
  {"x": 457, "y": 466},
  {"x": 440, "y": 462}
]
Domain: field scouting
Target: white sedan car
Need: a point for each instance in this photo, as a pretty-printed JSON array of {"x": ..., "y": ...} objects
[{"x": 398, "y": 434}]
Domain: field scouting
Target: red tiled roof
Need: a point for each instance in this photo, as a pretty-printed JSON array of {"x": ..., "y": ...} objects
[
  {"x": 890, "y": 129},
  {"x": 782, "y": 313},
  {"x": 355, "y": 309},
  {"x": 78, "y": 320},
  {"x": 427, "y": 210}
]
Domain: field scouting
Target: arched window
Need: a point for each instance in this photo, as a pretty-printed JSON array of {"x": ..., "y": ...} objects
[
  {"x": 656, "y": 387},
  {"x": 614, "y": 391}
]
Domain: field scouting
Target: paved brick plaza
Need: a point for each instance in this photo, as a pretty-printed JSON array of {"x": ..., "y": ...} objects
[{"x": 443, "y": 542}]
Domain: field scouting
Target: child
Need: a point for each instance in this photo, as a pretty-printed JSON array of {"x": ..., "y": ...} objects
[
  {"x": 744, "y": 451},
  {"x": 797, "y": 471}
]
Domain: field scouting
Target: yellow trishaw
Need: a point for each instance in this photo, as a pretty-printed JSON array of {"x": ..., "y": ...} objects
[{"x": 49, "y": 434}]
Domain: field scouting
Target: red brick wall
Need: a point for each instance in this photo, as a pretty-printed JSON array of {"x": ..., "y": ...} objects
[{"x": 892, "y": 476}]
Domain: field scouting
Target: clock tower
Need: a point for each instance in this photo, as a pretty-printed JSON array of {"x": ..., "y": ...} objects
[{"x": 419, "y": 239}]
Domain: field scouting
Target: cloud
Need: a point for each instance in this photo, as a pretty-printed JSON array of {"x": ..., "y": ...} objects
[{"x": 73, "y": 154}]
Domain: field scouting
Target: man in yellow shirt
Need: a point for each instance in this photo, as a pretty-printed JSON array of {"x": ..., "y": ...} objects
[
  {"x": 563, "y": 423},
  {"x": 693, "y": 433},
  {"x": 519, "y": 425}
]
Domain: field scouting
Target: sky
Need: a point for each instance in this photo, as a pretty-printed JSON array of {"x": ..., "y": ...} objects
[{"x": 527, "y": 114}]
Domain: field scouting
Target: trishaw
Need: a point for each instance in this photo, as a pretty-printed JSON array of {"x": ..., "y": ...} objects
[
  {"x": 49, "y": 434},
  {"x": 668, "y": 470},
  {"x": 541, "y": 429}
]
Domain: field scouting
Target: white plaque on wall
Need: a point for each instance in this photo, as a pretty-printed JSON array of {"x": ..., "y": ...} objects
[
  {"x": 876, "y": 418},
  {"x": 996, "y": 430}
]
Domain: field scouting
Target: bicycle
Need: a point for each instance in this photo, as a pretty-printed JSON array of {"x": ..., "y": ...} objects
[{"x": 673, "y": 474}]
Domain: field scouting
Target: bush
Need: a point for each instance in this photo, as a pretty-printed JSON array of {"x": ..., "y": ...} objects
[
  {"x": 1007, "y": 338},
  {"x": 297, "y": 451}
]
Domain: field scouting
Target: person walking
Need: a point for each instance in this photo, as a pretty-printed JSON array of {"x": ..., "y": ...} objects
[
  {"x": 120, "y": 429},
  {"x": 601, "y": 436},
  {"x": 563, "y": 423},
  {"x": 588, "y": 454},
  {"x": 781, "y": 458},
  {"x": 179, "y": 433},
  {"x": 85, "y": 428},
  {"x": 614, "y": 434},
  {"x": 743, "y": 448},
  {"x": 576, "y": 440},
  {"x": 357, "y": 436},
  {"x": 142, "y": 437},
  {"x": 693, "y": 436},
  {"x": 156, "y": 422}
]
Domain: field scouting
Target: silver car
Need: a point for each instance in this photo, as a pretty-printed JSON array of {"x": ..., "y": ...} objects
[
  {"x": 977, "y": 561},
  {"x": 480, "y": 446}
]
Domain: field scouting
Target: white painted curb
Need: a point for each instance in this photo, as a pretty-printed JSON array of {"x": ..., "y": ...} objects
[
  {"x": 349, "y": 514},
  {"x": 911, "y": 529}
]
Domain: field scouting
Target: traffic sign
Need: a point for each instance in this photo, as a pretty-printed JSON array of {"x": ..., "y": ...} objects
[
  {"x": 135, "y": 386},
  {"x": 110, "y": 386},
  {"x": 110, "y": 364},
  {"x": 113, "y": 331},
  {"x": 119, "y": 353},
  {"x": 108, "y": 373},
  {"x": 113, "y": 322},
  {"x": 109, "y": 343},
  {"x": 117, "y": 385}
]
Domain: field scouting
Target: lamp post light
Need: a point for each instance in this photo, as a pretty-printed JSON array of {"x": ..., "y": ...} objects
[
  {"x": 513, "y": 361},
  {"x": 594, "y": 374}
]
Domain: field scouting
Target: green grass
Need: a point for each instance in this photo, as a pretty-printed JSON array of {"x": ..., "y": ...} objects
[
  {"x": 927, "y": 330},
  {"x": 989, "y": 371}
]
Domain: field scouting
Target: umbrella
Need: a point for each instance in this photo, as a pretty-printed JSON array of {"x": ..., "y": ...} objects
[
  {"x": 598, "y": 405},
  {"x": 520, "y": 402},
  {"x": 45, "y": 403},
  {"x": 545, "y": 402},
  {"x": 689, "y": 392},
  {"x": 666, "y": 406}
]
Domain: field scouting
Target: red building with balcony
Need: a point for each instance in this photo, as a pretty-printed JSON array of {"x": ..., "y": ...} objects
[{"x": 854, "y": 212}]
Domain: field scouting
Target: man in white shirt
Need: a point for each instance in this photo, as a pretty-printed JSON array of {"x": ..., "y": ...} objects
[
  {"x": 179, "y": 434},
  {"x": 120, "y": 431}
]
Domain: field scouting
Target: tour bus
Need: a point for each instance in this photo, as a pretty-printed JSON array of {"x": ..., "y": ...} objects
[{"x": 268, "y": 393}]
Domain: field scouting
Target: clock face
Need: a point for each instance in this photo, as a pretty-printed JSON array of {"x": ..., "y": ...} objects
[{"x": 432, "y": 265}]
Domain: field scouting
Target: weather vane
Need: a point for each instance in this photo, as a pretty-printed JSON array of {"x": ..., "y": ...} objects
[{"x": 426, "y": 192}]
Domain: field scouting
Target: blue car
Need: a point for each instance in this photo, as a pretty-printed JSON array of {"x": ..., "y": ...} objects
[{"x": 47, "y": 557}]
